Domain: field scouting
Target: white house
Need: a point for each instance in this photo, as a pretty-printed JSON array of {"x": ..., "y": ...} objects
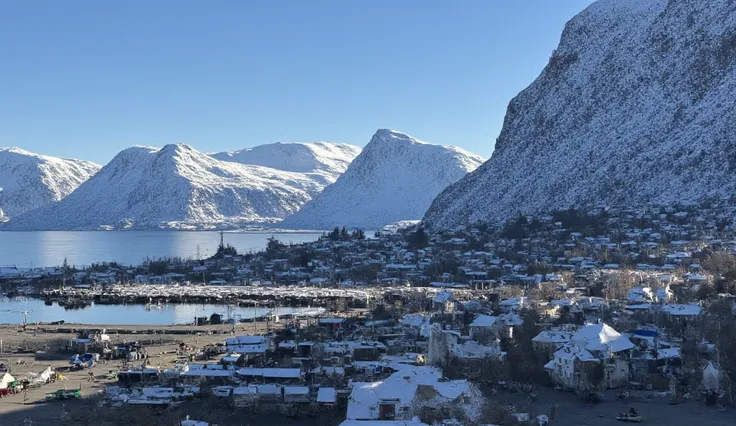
[
  {"x": 410, "y": 391},
  {"x": 249, "y": 345},
  {"x": 481, "y": 329},
  {"x": 595, "y": 343}
]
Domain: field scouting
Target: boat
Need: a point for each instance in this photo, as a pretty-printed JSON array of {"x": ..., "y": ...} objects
[{"x": 627, "y": 417}]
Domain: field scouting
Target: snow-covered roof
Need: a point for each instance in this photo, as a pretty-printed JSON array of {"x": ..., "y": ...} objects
[
  {"x": 207, "y": 372},
  {"x": 442, "y": 297},
  {"x": 640, "y": 295},
  {"x": 248, "y": 349},
  {"x": 552, "y": 336},
  {"x": 402, "y": 387},
  {"x": 484, "y": 321},
  {"x": 326, "y": 395},
  {"x": 415, "y": 320},
  {"x": 474, "y": 350},
  {"x": 245, "y": 340},
  {"x": 668, "y": 353},
  {"x": 296, "y": 390},
  {"x": 245, "y": 390},
  {"x": 682, "y": 310},
  {"x": 573, "y": 351},
  {"x": 599, "y": 337},
  {"x": 282, "y": 373}
]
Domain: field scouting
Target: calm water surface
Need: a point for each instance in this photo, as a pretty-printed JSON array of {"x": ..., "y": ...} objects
[
  {"x": 49, "y": 248},
  {"x": 11, "y": 312}
]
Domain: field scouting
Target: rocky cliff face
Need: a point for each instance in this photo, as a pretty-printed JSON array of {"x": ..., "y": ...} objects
[
  {"x": 635, "y": 106},
  {"x": 394, "y": 178}
]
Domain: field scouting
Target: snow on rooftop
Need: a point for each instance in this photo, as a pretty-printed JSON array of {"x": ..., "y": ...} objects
[
  {"x": 682, "y": 310},
  {"x": 484, "y": 321},
  {"x": 281, "y": 373},
  {"x": 597, "y": 337},
  {"x": 245, "y": 340},
  {"x": 327, "y": 395},
  {"x": 402, "y": 387},
  {"x": 552, "y": 336}
]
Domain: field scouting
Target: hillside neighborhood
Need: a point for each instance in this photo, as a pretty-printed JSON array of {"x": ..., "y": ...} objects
[{"x": 418, "y": 326}]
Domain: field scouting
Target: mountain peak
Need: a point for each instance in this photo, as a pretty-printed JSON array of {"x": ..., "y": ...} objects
[
  {"x": 394, "y": 178},
  {"x": 16, "y": 150},
  {"x": 174, "y": 148},
  {"x": 388, "y": 135}
]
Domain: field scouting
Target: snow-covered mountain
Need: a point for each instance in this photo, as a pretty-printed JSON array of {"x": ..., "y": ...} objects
[
  {"x": 29, "y": 181},
  {"x": 394, "y": 178},
  {"x": 635, "y": 106},
  {"x": 323, "y": 161},
  {"x": 174, "y": 187}
]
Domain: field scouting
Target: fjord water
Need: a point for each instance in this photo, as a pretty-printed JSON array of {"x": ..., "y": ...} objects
[
  {"x": 50, "y": 248},
  {"x": 11, "y": 312}
]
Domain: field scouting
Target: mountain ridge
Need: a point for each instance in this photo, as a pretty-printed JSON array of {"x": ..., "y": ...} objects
[
  {"x": 29, "y": 180},
  {"x": 174, "y": 187},
  {"x": 632, "y": 108}
]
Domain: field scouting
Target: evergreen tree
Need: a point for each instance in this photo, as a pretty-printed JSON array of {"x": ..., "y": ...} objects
[
  {"x": 274, "y": 248},
  {"x": 418, "y": 239}
]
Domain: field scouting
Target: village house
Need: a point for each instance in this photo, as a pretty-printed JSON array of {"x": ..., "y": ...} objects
[
  {"x": 412, "y": 391},
  {"x": 593, "y": 346}
]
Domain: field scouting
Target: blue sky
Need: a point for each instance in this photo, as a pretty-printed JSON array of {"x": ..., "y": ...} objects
[{"x": 85, "y": 79}]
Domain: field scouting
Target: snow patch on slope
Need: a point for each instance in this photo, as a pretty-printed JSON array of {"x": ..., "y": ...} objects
[{"x": 324, "y": 161}]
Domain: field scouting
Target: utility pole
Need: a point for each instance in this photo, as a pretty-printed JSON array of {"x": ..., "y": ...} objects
[{"x": 255, "y": 321}]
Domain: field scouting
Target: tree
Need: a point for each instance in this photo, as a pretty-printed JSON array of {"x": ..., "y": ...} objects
[
  {"x": 705, "y": 292},
  {"x": 344, "y": 235},
  {"x": 358, "y": 235},
  {"x": 274, "y": 248},
  {"x": 516, "y": 229},
  {"x": 302, "y": 258},
  {"x": 335, "y": 234},
  {"x": 418, "y": 239}
]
